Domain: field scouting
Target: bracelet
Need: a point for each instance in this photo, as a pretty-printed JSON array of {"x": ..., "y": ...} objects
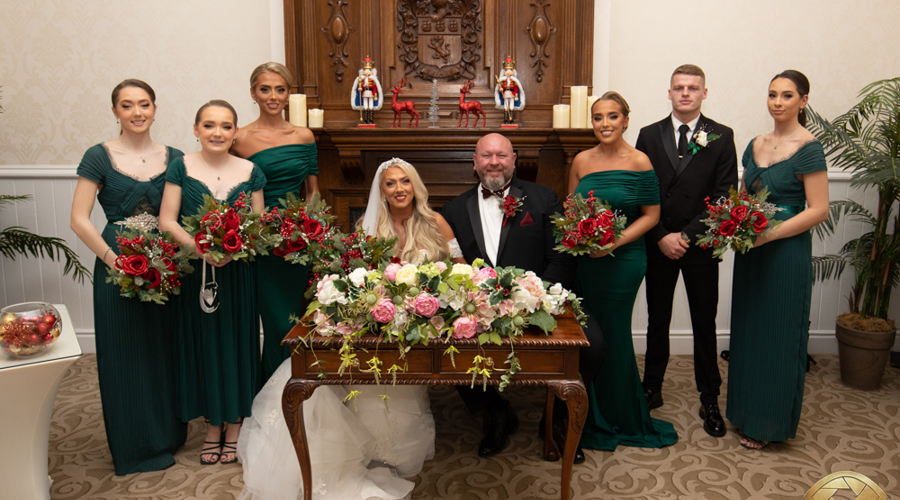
[{"x": 104, "y": 254}]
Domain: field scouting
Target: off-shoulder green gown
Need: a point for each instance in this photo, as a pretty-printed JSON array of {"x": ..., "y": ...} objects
[
  {"x": 134, "y": 339},
  {"x": 281, "y": 284},
  {"x": 217, "y": 354},
  {"x": 617, "y": 410},
  {"x": 770, "y": 303}
]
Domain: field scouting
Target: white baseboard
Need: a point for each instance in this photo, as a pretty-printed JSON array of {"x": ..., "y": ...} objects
[{"x": 820, "y": 342}]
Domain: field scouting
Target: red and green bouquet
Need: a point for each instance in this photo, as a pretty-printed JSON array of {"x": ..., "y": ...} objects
[
  {"x": 587, "y": 225},
  {"x": 343, "y": 253},
  {"x": 736, "y": 221},
  {"x": 301, "y": 228},
  {"x": 150, "y": 264},
  {"x": 235, "y": 230}
]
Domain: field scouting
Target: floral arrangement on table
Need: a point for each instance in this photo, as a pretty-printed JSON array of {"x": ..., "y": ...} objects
[
  {"x": 736, "y": 221},
  {"x": 340, "y": 253},
  {"x": 149, "y": 264},
  {"x": 587, "y": 225},
  {"x": 301, "y": 228},
  {"x": 221, "y": 229},
  {"x": 411, "y": 304}
]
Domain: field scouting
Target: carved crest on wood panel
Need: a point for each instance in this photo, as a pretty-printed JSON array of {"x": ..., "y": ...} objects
[{"x": 439, "y": 38}]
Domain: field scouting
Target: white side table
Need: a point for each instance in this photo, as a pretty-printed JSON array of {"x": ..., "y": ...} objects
[{"x": 27, "y": 392}]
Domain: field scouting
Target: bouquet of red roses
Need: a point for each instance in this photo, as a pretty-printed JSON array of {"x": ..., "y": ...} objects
[
  {"x": 149, "y": 263},
  {"x": 736, "y": 221},
  {"x": 301, "y": 227},
  {"x": 221, "y": 229},
  {"x": 587, "y": 225}
]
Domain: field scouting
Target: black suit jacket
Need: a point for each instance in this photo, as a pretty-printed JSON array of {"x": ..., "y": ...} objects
[
  {"x": 524, "y": 244},
  {"x": 685, "y": 183}
]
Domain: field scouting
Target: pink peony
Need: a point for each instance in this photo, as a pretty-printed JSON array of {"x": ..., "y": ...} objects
[
  {"x": 383, "y": 312},
  {"x": 437, "y": 321},
  {"x": 441, "y": 266},
  {"x": 426, "y": 305},
  {"x": 464, "y": 327},
  {"x": 390, "y": 272},
  {"x": 484, "y": 273}
]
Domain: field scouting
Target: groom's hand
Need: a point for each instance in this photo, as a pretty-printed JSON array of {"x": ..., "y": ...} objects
[{"x": 673, "y": 246}]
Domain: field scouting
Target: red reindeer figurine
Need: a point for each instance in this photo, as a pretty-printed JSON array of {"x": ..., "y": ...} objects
[
  {"x": 408, "y": 106},
  {"x": 473, "y": 106}
]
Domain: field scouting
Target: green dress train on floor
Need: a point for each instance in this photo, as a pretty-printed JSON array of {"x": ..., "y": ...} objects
[
  {"x": 135, "y": 359},
  {"x": 281, "y": 284},
  {"x": 617, "y": 410},
  {"x": 217, "y": 354},
  {"x": 770, "y": 302}
]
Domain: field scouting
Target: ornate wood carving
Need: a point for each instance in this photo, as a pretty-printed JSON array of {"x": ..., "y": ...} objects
[
  {"x": 338, "y": 31},
  {"x": 439, "y": 38},
  {"x": 539, "y": 32}
]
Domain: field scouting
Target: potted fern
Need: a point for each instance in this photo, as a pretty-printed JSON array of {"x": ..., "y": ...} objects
[
  {"x": 16, "y": 241},
  {"x": 865, "y": 141}
]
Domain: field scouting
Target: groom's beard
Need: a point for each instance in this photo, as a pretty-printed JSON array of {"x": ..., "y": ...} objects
[{"x": 494, "y": 184}]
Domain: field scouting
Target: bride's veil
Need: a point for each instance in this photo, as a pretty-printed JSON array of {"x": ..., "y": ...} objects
[{"x": 370, "y": 220}]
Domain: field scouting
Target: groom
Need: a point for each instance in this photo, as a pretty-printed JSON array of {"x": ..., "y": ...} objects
[
  {"x": 694, "y": 158},
  {"x": 524, "y": 241}
]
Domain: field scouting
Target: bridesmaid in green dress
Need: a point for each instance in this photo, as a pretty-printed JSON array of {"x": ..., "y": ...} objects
[
  {"x": 133, "y": 338},
  {"x": 217, "y": 353},
  {"x": 773, "y": 282},
  {"x": 287, "y": 156},
  {"x": 621, "y": 175}
]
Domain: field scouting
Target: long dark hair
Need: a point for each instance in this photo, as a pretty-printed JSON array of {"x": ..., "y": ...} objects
[{"x": 802, "y": 84}]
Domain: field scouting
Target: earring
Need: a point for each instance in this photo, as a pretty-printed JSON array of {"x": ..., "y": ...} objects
[
  {"x": 198, "y": 139},
  {"x": 117, "y": 121}
]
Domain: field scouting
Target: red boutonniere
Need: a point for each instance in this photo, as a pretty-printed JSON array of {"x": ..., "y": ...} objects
[{"x": 510, "y": 207}]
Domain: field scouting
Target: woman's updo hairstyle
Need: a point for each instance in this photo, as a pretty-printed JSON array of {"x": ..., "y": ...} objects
[
  {"x": 617, "y": 98},
  {"x": 132, "y": 82},
  {"x": 801, "y": 82},
  {"x": 219, "y": 104},
  {"x": 271, "y": 67}
]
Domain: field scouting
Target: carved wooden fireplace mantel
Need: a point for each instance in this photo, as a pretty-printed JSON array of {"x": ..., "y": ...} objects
[{"x": 449, "y": 42}]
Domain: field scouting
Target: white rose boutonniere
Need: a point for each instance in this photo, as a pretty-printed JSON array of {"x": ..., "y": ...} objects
[{"x": 701, "y": 139}]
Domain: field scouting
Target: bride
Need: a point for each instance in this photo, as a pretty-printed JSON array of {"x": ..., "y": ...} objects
[{"x": 355, "y": 454}]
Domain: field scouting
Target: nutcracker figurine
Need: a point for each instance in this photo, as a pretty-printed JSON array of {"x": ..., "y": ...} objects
[
  {"x": 366, "y": 94},
  {"x": 509, "y": 94}
]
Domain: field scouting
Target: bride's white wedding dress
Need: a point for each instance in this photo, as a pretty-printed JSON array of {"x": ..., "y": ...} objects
[{"x": 354, "y": 454}]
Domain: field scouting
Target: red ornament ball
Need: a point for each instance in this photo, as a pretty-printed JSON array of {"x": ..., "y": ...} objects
[
  {"x": 48, "y": 339},
  {"x": 33, "y": 339},
  {"x": 43, "y": 329},
  {"x": 49, "y": 319}
]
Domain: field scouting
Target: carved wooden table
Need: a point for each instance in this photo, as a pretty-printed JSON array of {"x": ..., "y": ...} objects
[{"x": 550, "y": 361}]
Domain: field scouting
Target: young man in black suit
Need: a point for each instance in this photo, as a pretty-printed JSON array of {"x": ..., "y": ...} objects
[
  {"x": 694, "y": 158},
  {"x": 524, "y": 241}
]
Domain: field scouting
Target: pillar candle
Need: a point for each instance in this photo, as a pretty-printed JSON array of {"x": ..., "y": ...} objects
[
  {"x": 297, "y": 106},
  {"x": 316, "y": 118},
  {"x": 588, "y": 116},
  {"x": 578, "y": 98},
  {"x": 561, "y": 116}
]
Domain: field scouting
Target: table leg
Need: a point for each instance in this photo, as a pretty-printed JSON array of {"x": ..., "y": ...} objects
[
  {"x": 575, "y": 396},
  {"x": 296, "y": 391}
]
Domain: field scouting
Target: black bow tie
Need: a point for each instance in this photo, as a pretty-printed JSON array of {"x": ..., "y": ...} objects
[{"x": 487, "y": 193}]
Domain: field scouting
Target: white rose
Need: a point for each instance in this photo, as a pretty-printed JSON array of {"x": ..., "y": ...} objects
[
  {"x": 406, "y": 275},
  {"x": 700, "y": 139},
  {"x": 461, "y": 269},
  {"x": 328, "y": 294},
  {"x": 358, "y": 276},
  {"x": 556, "y": 289}
]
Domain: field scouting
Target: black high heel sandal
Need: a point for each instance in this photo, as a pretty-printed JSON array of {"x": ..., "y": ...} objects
[
  {"x": 209, "y": 448},
  {"x": 230, "y": 447}
]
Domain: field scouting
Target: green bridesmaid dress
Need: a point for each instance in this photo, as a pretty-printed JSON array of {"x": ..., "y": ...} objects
[
  {"x": 217, "y": 354},
  {"x": 770, "y": 302},
  {"x": 281, "y": 284},
  {"x": 617, "y": 410},
  {"x": 134, "y": 339}
]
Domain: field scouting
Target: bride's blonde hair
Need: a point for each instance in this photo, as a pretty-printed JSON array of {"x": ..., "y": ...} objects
[{"x": 422, "y": 231}]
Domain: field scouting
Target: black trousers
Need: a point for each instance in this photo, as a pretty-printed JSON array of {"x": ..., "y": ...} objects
[
  {"x": 589, "y": 360},
  {"x": 701, "y": 281}
]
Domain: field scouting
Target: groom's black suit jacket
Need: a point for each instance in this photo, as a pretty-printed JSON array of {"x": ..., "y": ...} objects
[
  {"x": 685, "y": 183},
  {"x": 526, "y": 241}
]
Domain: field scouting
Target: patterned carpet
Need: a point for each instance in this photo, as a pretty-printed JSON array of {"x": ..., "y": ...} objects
[{"x": 840, "y": 430}]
